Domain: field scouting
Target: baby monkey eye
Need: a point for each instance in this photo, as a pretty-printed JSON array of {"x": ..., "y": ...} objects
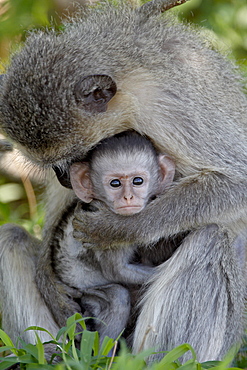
[
  {"x": 115, "y": 183},
  {"x": 137, "y": 181}
]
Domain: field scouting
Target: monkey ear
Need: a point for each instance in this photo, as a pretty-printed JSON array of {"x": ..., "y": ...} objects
[
  {"x": 167, "y": 167},
  {"x": 93, "y": 92},
  {"x": 81, "y": 182}
]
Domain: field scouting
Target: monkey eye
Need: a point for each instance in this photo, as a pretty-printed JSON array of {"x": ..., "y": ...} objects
[
  {"x": 115, "y": 183},
  {"x": 137, "y": 181}
]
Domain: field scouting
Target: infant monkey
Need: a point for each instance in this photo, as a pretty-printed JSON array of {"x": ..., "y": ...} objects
[{"x": 125, "y": 172}]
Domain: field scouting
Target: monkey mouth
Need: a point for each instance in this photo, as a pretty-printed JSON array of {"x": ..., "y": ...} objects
[{"x": 128, "y": 210}]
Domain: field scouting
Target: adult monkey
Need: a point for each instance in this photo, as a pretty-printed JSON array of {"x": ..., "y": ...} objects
[{"x": 135, "y": 70}]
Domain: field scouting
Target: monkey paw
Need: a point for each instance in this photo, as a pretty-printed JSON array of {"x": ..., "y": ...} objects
[
  {"x": 88, "y": 225},
  {"x": 65, "y": 302},
  {"x": 102, "y": 227}
]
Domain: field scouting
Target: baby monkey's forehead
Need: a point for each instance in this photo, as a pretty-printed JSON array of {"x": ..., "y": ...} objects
[{"x": 121, "y": 165}]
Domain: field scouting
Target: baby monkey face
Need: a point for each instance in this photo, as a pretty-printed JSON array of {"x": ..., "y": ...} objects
[
  {"x": 124, "y": 172},
  {"x": 127, "y": 191}
]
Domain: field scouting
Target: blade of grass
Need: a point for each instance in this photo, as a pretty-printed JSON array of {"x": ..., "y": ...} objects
[
  {"x": 41, "y": 350},
  {"x": 86, "y": 348},
  {"x": 38, "y": 328},
  {"x": 177, "y": 352},
  {"x": 8, "y": 342}
]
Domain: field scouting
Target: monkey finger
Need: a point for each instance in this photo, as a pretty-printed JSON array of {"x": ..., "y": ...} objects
[
  {"x": 80, "y": 222},
  {"x": 72, "y": 306},
  {"x": 86, "y": 218},
  {"x": 72, "y": 292},
  {"x": 82, "y": 230},
  {"x": 93, "y": 207},
  {"x": 79, "y": 232},
  {"x": 85, "y": 224},
  {"x": 75, "y": 307}
]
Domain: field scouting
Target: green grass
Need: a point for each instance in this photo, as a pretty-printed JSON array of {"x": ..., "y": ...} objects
[{"x": 93, "y": 355}]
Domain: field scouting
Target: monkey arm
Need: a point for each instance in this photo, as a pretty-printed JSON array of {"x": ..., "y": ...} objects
[
  {"x": 116, "y": 266},
  {"x": 116, "y": 262},
  {"x": 207, "y": 197},
  {"x": 200, "y": 286}
]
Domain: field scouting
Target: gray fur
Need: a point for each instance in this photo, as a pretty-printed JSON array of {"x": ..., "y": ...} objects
[
  {"x": 77, "y": 273},
  {"x": 197, "y": 292},
  {"x": 20, "y": 309},
  {"x": 189, "y": 101}
]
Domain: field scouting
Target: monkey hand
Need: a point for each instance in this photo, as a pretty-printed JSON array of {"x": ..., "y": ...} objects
[
  {"x": 79, "y": 222},
  {"x": 94, "y": 227},
  {"x": 63, "y": 302}
]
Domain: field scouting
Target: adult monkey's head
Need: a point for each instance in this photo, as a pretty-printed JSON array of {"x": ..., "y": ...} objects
[
  {"x": 65, "y": 92},
  {"x": 44, "y": 115}
]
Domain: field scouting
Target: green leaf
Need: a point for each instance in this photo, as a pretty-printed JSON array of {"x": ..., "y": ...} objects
[
  {"x": 86, "y": 348},
  {"x": 41, "y": 351},
  {"x": 32, "y": 350},
  {"x": 190, "y": 365},
  {"x": 74, "y": 351},
  {"x": 61, "y": 332},
  {"x": 96, "y": 345},
  {"x": 6, "y": 363},
  {"x": 71, "y": 326},
  {"x": 8, "y": 342},
  {"x": 5, "y": 348},
  {"x": 6, "y": 339},
  {"x": 27, "y": 359},
  {"x": 72, "y": 321},
  {"x": 177, "y": 352},
  {"x": 107, "y": 345},
  {"x": 39, "y": 328},
  {"x": 210, "y": 364}
]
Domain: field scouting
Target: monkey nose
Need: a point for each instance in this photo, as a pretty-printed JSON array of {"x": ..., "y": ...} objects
[{"x": 128, "y": 198}]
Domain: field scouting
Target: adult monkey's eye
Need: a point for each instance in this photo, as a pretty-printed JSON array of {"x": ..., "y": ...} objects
[
  {"x": 115, "y": 183},
  {"x": 137, "y": 181}
]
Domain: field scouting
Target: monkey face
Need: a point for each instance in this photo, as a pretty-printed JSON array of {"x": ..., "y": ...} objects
[
  {"x": 124, "y": 190},
  {"x": 127, "y": 192}
]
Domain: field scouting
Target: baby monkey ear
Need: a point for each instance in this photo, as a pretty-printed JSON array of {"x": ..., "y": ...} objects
[
  {"x": 167, "y": 169},
  {"x": 93, "y": 92},
  {"x": 81, "y": 182}
]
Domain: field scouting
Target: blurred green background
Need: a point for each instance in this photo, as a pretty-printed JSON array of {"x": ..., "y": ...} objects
[{"x": 225, "y": 19}]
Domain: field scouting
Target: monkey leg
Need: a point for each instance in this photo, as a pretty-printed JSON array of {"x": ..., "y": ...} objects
[
  {"x": 21, "y": 303},
  {"x": 110, "y": 305},
  {"x": 197, "y": 297}
]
